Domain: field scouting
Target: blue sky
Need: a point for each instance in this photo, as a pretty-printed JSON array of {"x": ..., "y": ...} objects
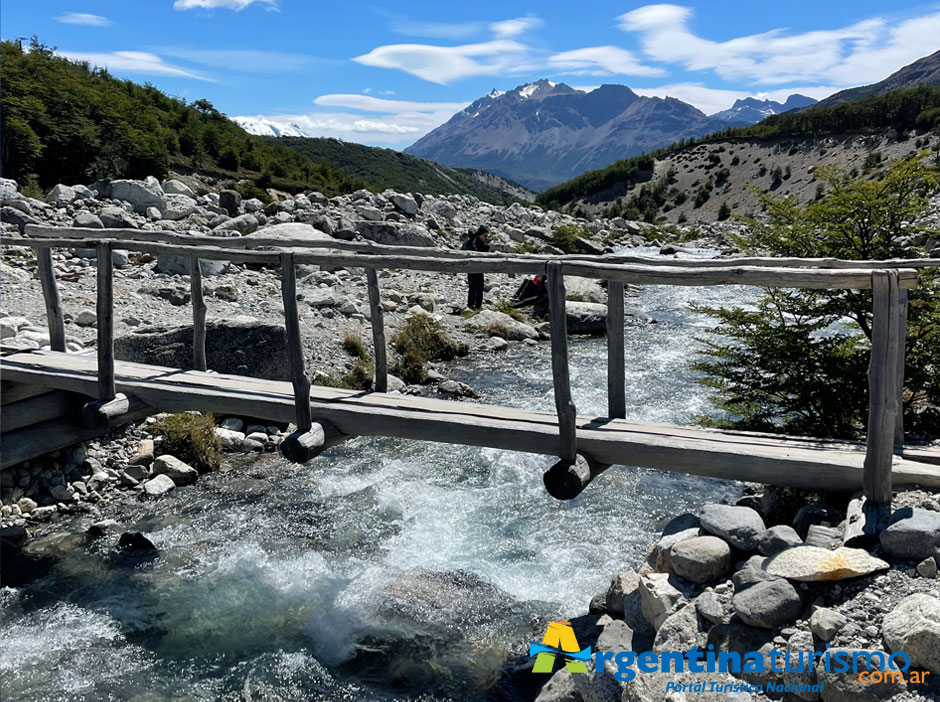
[{"x": 386, "y": 74}]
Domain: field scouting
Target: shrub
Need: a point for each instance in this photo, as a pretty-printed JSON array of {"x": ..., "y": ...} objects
[
  {"x": 352, "y": 345},
  {"x": 191, "y": 438},
  {"x": 565, "y": 238},
  {"x": 724, "y": 211},
  {"x": 419, "y": 341},
  {"x": 361, "y": 375}
]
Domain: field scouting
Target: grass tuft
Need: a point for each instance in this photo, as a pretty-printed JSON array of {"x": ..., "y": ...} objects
[{"x": 192, "y": 439}]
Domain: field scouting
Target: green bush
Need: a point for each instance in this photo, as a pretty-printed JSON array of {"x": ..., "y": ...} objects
[
  {"x": 419, "y": 341},
  {"x": 352, "y": 344},
  {"x": 361, "y": 375},
  {"x": 190, "y": 438},
  {"x": 565, "y": 238}
]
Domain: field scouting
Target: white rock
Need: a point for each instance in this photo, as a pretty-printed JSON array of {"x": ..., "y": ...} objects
[
  {"x": 159, "y": 485},
  {"x": 179, "y": 472}
]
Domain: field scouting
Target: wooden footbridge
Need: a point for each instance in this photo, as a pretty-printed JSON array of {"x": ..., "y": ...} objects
[{"x": 39, "y": 386}]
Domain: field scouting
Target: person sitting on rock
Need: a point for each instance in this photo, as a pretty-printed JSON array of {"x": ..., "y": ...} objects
[
  {"x": 477, "y": 241},
  {"x": 530, "y": 292}
]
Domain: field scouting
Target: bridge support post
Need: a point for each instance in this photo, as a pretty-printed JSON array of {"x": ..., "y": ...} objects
[
  {"x": 616, "y": 373},
  {"x": 307, "y": 441},
  {"x": 882, "y": 387},
  {"x": 50, "y": 295},
  {"x": 199, "y": 315},
  {"x": 567, "y": 479},
  {"x": 901, "y": 357},
  {"x": 561, "y": 381},
  {"x": 109, "y": 406},
  {"x": 378, "y": 331}
]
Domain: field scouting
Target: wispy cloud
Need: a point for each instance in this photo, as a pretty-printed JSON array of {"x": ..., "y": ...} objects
[
  {"x": 858, "y": 53},
  {"x": 514, "y": 27},
  {"x": 82, "y": 18},
  {"x": 368, "y": 119},
  {"x": 245, "y": 60},
  {"x": 444, "y": 64},
  {"x": 133, "y": 62},
  {"x": 601, "y": 60},
  {"x": 227, "y": 4},
  {"x": 434, "y": 30}
]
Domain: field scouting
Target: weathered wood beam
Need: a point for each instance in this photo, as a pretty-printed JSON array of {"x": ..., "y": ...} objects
[
  {"x": 101, "y": 413},
  {"x": 295, "y": 349},
  {"x": 378, "y": 331},
  {"x": 199, "y": 315},
  {"x": 302, "y": 446},
  {"x": 39, "y": 408},
  {"x": 561, "y": 381},
  {"x": 616, "y": 372},
  {"x": 105, "y": 322},
  {"x": 42, "y": 230},
  {"x": 566, "y": 479},
  {"x": 864, "y": 520},
  {"x": 901, "y": 359},
  {"x": 50, "y": 295},
  {"x": 882, "y": 386}
]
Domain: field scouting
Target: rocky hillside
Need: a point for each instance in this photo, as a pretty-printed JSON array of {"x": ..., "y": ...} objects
[
  {"x": 543, "y": 133},
  {"x": 925, "y": 71},
  {"x": 692, "y": 182},
  {"x": 387, "y": 168}
]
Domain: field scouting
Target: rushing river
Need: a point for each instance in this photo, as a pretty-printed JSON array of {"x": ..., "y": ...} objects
[{"x": 385, "y": 569}]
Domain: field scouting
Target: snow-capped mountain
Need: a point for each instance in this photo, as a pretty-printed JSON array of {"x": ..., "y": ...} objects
[
  {"x": 751, "y": 110},
  {"x": 543, "y": 133},
  {"x": 262, "y": 126}
]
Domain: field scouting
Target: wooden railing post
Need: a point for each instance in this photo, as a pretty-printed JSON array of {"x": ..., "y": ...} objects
[
  {"x": 902, "y": 352},
  {"x": 110, "y": 405},
  {"x": 561, "y": 380},
  {"x": 882, "y": 387},
  {"x": 378, "y": 331},
  {"x": 50, "y": 295},
  {"x": 616, "y": 373},
  {"x": 106, "y": 390},
  {"x": 199, "y": 315}
]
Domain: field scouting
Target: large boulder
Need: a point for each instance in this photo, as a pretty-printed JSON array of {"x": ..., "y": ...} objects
[
  {"x": 395, "y": 233},
  {"x": 913, "y": 627},
  {"x": 9, "y": 190},
  {"x": 178, "y": 207},
  {"x": 502, "y": 325},
  {"x": 140, "y": 194},
  {"x": 814, "y": 563},
  {"x": 404, "y": 203},
  {"x": 172, "y": 186},
  {"x": 778, "y": 538},
  {"x": 230, "y": 200},
  {"x": 179, "y": 265},
  {"x": 912, "y": 535},
  {"x": 701, "y": 559},
  {"x": 660, "y": 594},
  {"x": 242, "y": 347},
  {"x": 178, "y": 471},
  {"x": 116, "y": 218},
  {"x": 291, "y": 230},
  {"x": 12, "y": 215},
  {"x": 739, "y": 526},
  {"x": 243, "y": 224},
  {"x": 586, "y": 317},
  {"x": 87, "y": 220},
  {"x": 60, "y": 195},
  {"x": 769, "y": 604}
]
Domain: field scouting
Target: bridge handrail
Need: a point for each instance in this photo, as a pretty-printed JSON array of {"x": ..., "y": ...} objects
[{"x": 888, "y": 280}]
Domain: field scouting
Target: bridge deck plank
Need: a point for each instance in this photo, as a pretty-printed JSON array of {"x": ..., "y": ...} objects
[{"x": 799, "y": 462}]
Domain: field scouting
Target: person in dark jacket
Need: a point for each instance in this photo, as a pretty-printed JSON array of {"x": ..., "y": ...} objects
[{"x": 476, "y": 242}]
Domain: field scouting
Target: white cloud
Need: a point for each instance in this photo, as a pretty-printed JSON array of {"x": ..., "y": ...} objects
[
  {"x": 436, "y": 30},
  {"x": 132, "y": 62},
  {"x": 863, "y": 52},
  {"x": 601, "y": 60},
  {"x": 443, "y": 64},
  {"x": 246, "y": 60},
  {"x": 228, "y": 4},
  {"x": 82, "y": 18},
  {"x": 392, "y": 122},
  {"x": 514, "y": 27}
]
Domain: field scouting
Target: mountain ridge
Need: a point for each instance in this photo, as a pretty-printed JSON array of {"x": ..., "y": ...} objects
[{"x": 924, "y": 71}]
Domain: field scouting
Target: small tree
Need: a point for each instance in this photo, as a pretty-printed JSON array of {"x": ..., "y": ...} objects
[
  {"x": 797, "y": 362},
  {"x": 724, "y": 211}
]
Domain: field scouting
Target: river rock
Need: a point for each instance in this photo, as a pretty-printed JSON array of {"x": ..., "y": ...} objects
[
  {"x": 846, "y": 687},
  {"x": 659, "y": 595},
  {"x": 178, "y": 207},
  {"x": 778, "y": 538},
  {"x": 685, "y": 526},
  {"x": 60, "y": 195},
  {"x": 292, "y": 230},
  {"x": 801, "y": 650},
  {"x": 913, "y": 627},
  {"x": 135, "y": 541},
  {"x": 739, "y": 526},
  {"x": 236, "y": 346},
  {"x": 116, "y": 218},
  {"x": 230, "y": 200},
  {"x": 615, "y": 636},
  {"x": 559, "y": 688},
  {"x": 502, "y": 325},
  {"x": 912, "y": 534},
  {"x": 680, "y": 631},
  {"x": 404, "y": 203},
  {"x": 231, "y": 440},
  {"x": 179, "y": 472},
  {"x": 710, "y": 608},
  {"x": 172, "y": 186},
  {"x": 701, "y": 559},
  {"x": 243, "y": 224},
  {"x": 927, "y": 568},
  {"x": 586, "y": 317},
  {"x": 144, "y": 455},
  {"x": 395, "y": 233},
  {"x": 812, "y": 563},
  {"x": 769, "y": 604},
  {"x": 140, "y": 194},
  {"x": 816, "y": 513},
  {"x": 159, "y": 485},
  {"x": 87, "y": 220},
  {"x": 825, "y": 623}
]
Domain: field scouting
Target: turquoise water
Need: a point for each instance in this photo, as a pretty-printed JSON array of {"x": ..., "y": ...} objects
[{"x": 385, "y": 569}]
